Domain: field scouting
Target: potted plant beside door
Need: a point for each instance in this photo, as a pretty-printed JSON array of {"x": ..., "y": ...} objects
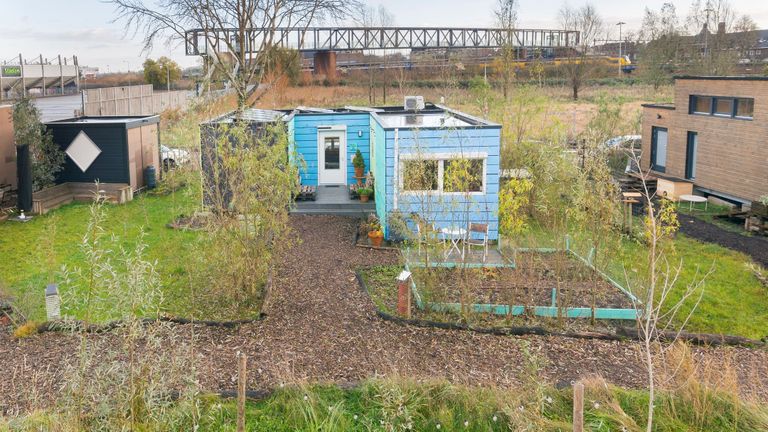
[
  {"x": 365, "y": 194},
  {"x": 359, "y": 163}
]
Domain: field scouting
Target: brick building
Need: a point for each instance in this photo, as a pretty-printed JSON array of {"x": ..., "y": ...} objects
[{"x": 714, "y": 136}]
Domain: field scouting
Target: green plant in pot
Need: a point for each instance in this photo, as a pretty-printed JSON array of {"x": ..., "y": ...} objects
[
  {"x": 359, "y": 163},
  {"x": 375, "y": 233},
  {"x": 365, "y": 194}
]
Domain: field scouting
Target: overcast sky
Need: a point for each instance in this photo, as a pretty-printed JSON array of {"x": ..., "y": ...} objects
[{"x": 84, "y": 28}]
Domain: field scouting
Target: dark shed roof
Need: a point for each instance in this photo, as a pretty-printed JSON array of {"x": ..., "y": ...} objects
[{"x": 130, "y": 122}]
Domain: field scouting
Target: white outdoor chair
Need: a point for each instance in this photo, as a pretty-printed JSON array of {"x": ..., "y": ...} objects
[
  {"x": 424, "y": 230},
  {"x": 477, "y": 235}
]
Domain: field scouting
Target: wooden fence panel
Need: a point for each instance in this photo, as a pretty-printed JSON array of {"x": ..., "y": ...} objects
[{"x": 131, "y": 100}]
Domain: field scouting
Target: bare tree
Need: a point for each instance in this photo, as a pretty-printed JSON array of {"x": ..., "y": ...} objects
[
  {"x": 722, "y": 35},
  {"x": 506, "y": 19},
  {"x": 589, "y": 24},
  {"x": 664, "y": 306},
  {"x": 660, "y": 55},
  {"x": 368, "y": 16},
  {"x": 241, "y": 53}
]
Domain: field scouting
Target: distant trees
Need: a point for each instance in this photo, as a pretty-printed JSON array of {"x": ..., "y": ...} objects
[
  {"x": 506, "y": 18},
  {"x": 589, "y": 24},
  {"x": 708, "y": 41},
  {"x": 161, "y": 72},
  {"x": 663, "y": 31},
  {"x": 368, "y": 16}
]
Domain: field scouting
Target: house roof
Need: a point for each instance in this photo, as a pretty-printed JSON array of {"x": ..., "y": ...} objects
[
  {"x": 129, "y": 121},
  {"x": 252, "y": 115}
]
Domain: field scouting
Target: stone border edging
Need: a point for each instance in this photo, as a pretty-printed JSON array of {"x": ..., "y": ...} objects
[{"x": 622, "y": 334}]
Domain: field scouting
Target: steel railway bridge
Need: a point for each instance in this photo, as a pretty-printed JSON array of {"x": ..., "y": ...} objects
[{"x": 326, "y": 41}]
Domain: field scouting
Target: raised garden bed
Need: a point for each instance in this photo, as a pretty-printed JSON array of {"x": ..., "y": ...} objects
[
  {"x": 543, "y": 282},
  {"x": 538, "y": 280}
]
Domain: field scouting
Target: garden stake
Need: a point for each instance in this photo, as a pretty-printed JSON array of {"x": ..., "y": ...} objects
[
  {"x": 241, "y": 375},
  {"x": 404, "y": 294},
  {"x": 578, "y": 407}
]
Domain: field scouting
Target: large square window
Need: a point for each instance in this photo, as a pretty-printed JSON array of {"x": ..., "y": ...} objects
[
  {"x": 420, "y": 175},
  {"x": 463, "y": 175}
]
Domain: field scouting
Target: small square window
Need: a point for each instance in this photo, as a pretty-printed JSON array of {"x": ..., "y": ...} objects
[
  {"x": 701, "y": 104},
  {"x": 724, "y": 107},
  {"x": 420, "y": 175},
  {"x": 745, "y": 108}
]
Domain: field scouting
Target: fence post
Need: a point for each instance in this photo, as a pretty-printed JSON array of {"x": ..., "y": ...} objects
[
  {"x": 578, "y": 407},
  {"x": 241, "y": 377}
]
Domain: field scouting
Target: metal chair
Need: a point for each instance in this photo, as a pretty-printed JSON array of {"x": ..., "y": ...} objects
[{"x": 480, "y": 237}]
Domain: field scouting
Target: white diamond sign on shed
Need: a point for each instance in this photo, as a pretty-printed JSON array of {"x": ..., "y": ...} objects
[{"x": 83, "y": 151}]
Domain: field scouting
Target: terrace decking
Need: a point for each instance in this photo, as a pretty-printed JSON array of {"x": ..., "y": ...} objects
[{"x": 334, "y": 200}]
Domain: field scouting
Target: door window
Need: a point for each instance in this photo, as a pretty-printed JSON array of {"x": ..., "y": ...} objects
[
  {"x": 690, "y": 155},
  {"x": 659, "y": 140},
  {"x": 332, "y": 153}
]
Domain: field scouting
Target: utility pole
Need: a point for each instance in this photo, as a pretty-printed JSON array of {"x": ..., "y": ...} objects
[
  {"x": 620, "y": 23},
  {"x": 168, "y": 77}
]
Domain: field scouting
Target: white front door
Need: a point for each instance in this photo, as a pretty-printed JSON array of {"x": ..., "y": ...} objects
[{"x": 332, "y": 155}]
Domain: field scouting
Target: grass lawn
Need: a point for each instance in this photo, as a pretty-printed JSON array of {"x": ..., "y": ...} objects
[
  {"x": 402, "y": 405},
  {"x": 27, "y": 264}
]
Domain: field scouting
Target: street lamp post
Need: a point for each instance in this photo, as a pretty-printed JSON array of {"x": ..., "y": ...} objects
[{"x": 620, "y": 23}]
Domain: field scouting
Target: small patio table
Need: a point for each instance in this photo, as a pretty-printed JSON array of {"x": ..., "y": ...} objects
[
  {"x": 690, "y": 199},
  {"x": 454, "y": 235}
]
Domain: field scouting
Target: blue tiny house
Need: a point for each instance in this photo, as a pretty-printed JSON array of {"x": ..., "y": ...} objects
[
  {"x": 437, "y": 163},
  {"x": 414, "y": 156}
]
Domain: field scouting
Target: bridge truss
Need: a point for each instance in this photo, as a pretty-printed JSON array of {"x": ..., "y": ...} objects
[{"x": 201, "y": 41}]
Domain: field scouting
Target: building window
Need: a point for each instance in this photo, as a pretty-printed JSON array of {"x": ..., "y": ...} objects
[
  {"x": 690, "y": 155},
  {"x": 724, "y": 107},
  {"x": 449, "y": 174},
  {"x": 745, "y": 108},
  {"x": 659, "y": 138},
  {"x": 463, "y": 175},
  {"x": 420, "y": 175},
  {"x": 701, "y": 105},
  {"x": 729, "y": 107}
]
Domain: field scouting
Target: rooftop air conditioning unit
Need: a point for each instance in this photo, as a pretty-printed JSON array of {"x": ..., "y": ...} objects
[{"x": 413, "y": 103}]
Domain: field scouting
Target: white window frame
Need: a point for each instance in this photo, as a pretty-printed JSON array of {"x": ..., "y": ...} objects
[{"x": 441, "y": 158}]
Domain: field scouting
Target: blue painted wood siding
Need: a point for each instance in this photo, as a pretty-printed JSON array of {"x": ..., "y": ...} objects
[
  {"x": 448, "y": 209},
  {"x": 380, "y": 172},
  {"x": 305, "y": 141}
]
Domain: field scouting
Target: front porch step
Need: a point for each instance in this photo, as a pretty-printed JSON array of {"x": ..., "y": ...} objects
[
  {"x": 352, "y": 212},
  {"x": 317, "y": 205},
  {"x": 332, "y": 200}
]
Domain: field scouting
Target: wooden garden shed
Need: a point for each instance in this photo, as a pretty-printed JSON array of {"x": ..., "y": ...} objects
[{"x": 107, "y": 149}]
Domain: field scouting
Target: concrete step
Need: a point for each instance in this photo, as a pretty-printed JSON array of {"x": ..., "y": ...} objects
[
  {"x": 335, "y": 206},
  {"x": 337, "y": 212}
]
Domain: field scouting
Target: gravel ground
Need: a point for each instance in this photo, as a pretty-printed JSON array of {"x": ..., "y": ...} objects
[{"x": 322, "y": 327}]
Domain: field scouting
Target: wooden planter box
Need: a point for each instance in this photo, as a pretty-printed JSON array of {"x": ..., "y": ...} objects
[{"x": 54, "y": 197}]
